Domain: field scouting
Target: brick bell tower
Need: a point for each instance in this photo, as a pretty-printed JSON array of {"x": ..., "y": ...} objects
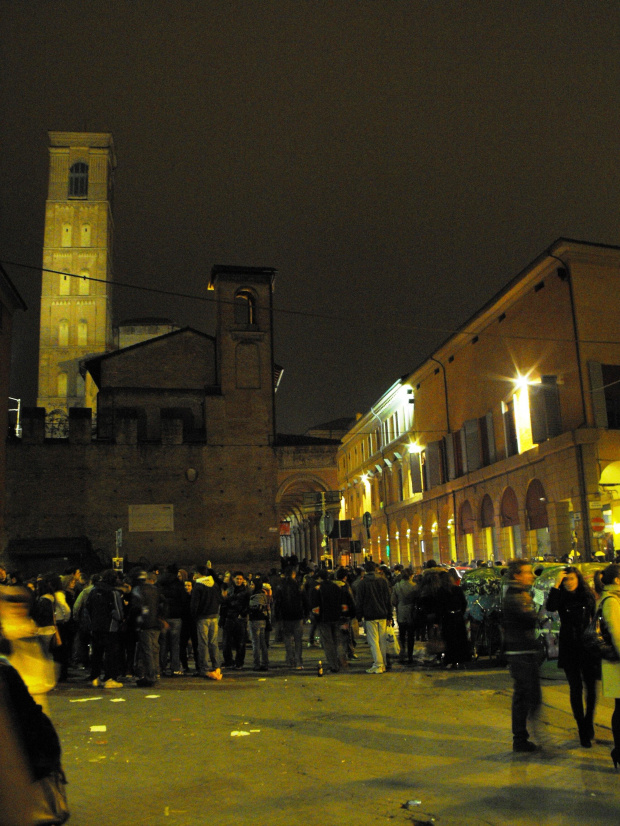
[
  {"x": 244, "y": 333},
  {"x": 75, "y": 311}
]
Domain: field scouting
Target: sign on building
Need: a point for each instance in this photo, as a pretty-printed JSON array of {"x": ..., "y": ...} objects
[{"x": 144, "y": 518}]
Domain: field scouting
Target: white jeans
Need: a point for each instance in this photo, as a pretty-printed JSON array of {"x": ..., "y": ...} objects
[{"x": 377, "y": 640}]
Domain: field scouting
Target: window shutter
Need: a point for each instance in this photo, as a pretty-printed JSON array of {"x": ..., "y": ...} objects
[
  {"x": 538, "y": 417},
  {"x": 552, "y": 405},
  {"x": 449, "y": 452},
  {"x": 416, "y": 473},
  {"x": 434, "y": 475},
  {"x": 472, "y": 444},
  {"x": 491, "y": 438},
  {"x": 462, "y": 450},
  {"x": 598, "y": 393},
  {"x": 510, "y": 429}
]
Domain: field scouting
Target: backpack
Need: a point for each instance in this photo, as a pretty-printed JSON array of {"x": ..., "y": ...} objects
[
  {"x": 258, "y": 609},
  {"x": 596, "y": 639},
  {"x": 98, "y": 608}
]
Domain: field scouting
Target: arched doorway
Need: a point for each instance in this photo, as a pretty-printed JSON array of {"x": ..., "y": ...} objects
[
  {"x": 487, "y": 525},
  {"x": 538, "y": 539},
  {"x": 510, "y": 528},
  {"x": 466, "y": 527}
]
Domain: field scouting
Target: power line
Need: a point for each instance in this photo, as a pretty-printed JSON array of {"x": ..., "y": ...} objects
[{"x": 313, "y": 314}]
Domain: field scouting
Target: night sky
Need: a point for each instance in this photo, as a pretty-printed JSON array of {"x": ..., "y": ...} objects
[{"x": 397, "y": 162}]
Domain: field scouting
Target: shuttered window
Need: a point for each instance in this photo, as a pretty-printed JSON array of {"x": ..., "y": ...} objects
[
  {"x": 433, "y": 464},
  {"x": 472, "y": 444},
  {"x": 544, "y": 401},
  {"x": 487, "y": 439},
  {"x": 510, "y": 428},
  {"x": 449, "y": 453},
  {"x": 416, "y": 473},
  {"x": 78, "y": 180}
]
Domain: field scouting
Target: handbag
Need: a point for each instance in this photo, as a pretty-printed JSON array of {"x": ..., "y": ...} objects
[
  {"x": 596, "y": 639},
  {"x": 49, "y": 800},
  {"x": 393, "y": 646}
]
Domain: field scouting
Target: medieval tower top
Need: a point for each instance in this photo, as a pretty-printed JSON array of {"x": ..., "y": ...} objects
[{"x": 76, "y": 317}]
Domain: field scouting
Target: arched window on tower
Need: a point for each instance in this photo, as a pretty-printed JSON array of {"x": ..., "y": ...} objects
[
  {"x": 64, "y": 286},
  {"x": 85, "y": 235},
  {"x": 78, "y": 180},
  {"x": 84, "y": 283},
  {"x": 82, "y": 333},
  {"x": 245, "y": 308},
  {"x": 61, "y": 385},
  {"x": 65, "y": 238},
  {"x": 63, "y": 333}
]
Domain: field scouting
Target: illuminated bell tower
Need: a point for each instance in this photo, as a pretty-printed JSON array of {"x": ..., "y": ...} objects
[{"x": 75, "y": 311}]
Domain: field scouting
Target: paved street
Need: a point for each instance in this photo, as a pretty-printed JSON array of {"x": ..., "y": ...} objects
[{"x": 345, "y": 749}]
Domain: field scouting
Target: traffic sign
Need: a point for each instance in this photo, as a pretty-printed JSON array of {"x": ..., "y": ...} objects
[
  {"x": 597, "y": 523},
  {"x": 326, "y": 523}
]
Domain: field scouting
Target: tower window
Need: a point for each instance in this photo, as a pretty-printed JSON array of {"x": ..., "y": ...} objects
[
  {"x": 85, "y": 236},
  {"x": 78, "y": 180},
  {"x": 245, "y": 308},
  {"x": 65, "y": 285},
  {"x": 65, "y": 239},
  {"x": 61, "y": 384},
  {"x": 63, "y": 333},
  {"x": 82, "y": 333},
  {"x": 84, "y": 283}
]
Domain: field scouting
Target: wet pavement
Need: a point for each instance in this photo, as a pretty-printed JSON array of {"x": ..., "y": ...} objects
[{"x": 288, "y": 747}]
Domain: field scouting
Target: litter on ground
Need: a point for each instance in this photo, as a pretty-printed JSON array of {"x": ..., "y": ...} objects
[{"x": 98, "y": 728}]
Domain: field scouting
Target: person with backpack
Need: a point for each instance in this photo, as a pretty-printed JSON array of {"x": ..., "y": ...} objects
[
  {"x": 104, "y": 608},
  {"x": 289, "y": 611}
]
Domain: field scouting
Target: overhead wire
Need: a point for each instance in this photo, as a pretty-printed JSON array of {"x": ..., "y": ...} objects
[{"x": 409, "y": 325}]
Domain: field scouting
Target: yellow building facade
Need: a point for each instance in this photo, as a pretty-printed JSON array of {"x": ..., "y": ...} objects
[
  {"x": 505, "y": 442},
  {"x": 77, "y": 267}
]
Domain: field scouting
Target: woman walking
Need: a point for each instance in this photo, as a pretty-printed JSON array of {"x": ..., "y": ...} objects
[{"x": 575, "y": 602}]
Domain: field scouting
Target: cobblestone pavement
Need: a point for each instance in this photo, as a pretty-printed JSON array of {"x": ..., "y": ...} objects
[{"x": 348, "y": 748}]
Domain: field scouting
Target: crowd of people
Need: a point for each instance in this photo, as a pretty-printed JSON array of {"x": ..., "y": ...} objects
[
  {"x": 112, "y": 628},
  {"x": 174, "y": 622}
]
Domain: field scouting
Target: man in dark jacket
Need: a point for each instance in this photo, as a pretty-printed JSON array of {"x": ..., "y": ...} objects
[
  {"x": 147, "y": 606},
  {"x": 333, "y": 606},
  {"x": 175, "y": 597},
  {"x": 289, "y": 611},
  {"x": 373, "y": 603},
  {"x": 104, "y": 609},
  {"x": 236, "y": 604},
  {"x": 520, "y": 621}
]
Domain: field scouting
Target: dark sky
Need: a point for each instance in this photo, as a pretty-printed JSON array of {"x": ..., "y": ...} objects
[{"x": 397, "y": 162}]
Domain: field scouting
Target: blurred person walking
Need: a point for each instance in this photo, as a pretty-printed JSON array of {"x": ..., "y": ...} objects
[{"x": 520, "y": 622}]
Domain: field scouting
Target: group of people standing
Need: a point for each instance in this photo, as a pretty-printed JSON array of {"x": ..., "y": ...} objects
[{"x": 576, "y": 604}]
